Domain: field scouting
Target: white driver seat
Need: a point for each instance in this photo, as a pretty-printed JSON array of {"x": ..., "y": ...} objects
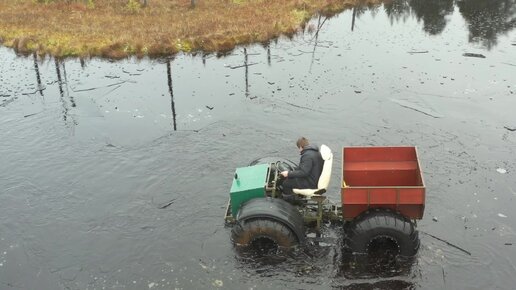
[{"x": 324, "y": 179}]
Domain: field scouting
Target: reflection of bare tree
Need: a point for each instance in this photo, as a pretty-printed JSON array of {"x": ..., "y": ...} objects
[
  {"x": 64, "y": 96},
  {"x": 83, "y": 63},
  {"x": 246, "y": 64},
  {"x": 171, "y": 91},
  {"x": 38, "y": 76},
  {"x": 61, "y": 91},
  {"x": 72, "y": 100},
  {"x": 353, "y": 18},
  {"x": 360, "y": 10},
  {"x": 487, "y": 19},
  {"x": 316, "y": 38},
  {"x": 269, "y": 54}
]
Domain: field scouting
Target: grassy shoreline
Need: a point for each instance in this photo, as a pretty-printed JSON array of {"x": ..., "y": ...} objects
[{"x": 123, "y": 28}]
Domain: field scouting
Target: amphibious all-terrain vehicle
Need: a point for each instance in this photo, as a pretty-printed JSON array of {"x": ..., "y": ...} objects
[{"x": 382, "y": 196}]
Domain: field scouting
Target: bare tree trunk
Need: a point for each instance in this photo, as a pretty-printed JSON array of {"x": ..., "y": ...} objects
[
  {"x": 192, "y": 3},
  {"x": 144, "y": 3}
]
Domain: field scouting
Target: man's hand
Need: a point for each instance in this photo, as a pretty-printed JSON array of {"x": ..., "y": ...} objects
[{"x": 284, "y": 173}]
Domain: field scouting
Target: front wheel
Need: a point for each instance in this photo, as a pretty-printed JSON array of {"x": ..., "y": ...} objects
[
  {"x": 382, "y": 230},
  {"x": 263, "y": 233}
]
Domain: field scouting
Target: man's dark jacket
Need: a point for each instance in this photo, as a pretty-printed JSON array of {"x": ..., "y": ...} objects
[{"x": 310, "y": 166}]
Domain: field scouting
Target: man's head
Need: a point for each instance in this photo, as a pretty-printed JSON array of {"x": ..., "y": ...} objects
[{"x": 301, "y": 143}]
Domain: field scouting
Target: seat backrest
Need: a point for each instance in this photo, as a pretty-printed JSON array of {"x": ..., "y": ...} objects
[{"x": 327, "y": 156}]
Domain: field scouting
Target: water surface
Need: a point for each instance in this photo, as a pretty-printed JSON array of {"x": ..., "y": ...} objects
[{"x": 115, "y": 175}]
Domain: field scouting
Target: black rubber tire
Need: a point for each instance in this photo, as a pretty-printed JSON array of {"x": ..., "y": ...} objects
[
  {"x": 382, "y": 223},
  {"x": 244, "y": 233}
]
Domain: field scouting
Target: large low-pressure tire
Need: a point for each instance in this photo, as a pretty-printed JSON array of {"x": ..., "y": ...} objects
[
  {"x": 259, "y": 231},
  {"x": 379, "y": 227}
]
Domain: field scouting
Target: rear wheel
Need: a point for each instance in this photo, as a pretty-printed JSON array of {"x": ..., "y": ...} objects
[
  {"x": 382, "y": 231},
  {"x": 263, "y": 234}
]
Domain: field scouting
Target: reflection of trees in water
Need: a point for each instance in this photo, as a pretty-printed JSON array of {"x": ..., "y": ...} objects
[
  {"x": 397, "y": 10},
  {"x": 487, "y": 19},
  {"x": 432, "y": 13},
  {"x": 359, "y": 10}
]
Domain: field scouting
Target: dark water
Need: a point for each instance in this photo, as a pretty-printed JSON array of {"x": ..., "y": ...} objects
[{"x": 115, "y": 175}]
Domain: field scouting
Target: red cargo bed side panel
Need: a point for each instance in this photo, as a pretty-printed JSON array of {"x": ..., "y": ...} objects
[{"x": 387, "y": 177}]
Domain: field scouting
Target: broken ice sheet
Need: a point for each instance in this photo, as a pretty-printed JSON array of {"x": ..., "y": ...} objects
[{"x": 501, "y": 170}]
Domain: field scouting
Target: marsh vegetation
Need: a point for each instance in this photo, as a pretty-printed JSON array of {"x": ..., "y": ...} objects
[{"x": 122, "y": 28}]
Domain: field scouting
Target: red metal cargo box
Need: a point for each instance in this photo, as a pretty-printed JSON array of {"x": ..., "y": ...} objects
[{"x": 386, "y": 177}]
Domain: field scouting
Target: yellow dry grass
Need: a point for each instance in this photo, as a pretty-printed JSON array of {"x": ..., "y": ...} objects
[{"x": 121, "y": 28}]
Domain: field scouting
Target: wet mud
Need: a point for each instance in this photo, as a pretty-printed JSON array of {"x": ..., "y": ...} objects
[{"x": 115, "y": 174}]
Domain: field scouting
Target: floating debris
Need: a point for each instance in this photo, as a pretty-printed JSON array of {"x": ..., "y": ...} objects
[
  {"x": 512, "y": 129},
  {"x": 244, "y": 65},
  {"x": 218, "y": 283},
  {"x": 501, "y": 170},
  {"x": 413, "y": 52},
  {"x": 469, "y": 54},
  {"x": 203, "y": 266},
  {"x": 30, "y": 115},
  {"x": 167, "y": 204},
  {"x": 435, "y": 219},
  {"x": 502, "y": 215},
  {"x": 130, "y": 73}
]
